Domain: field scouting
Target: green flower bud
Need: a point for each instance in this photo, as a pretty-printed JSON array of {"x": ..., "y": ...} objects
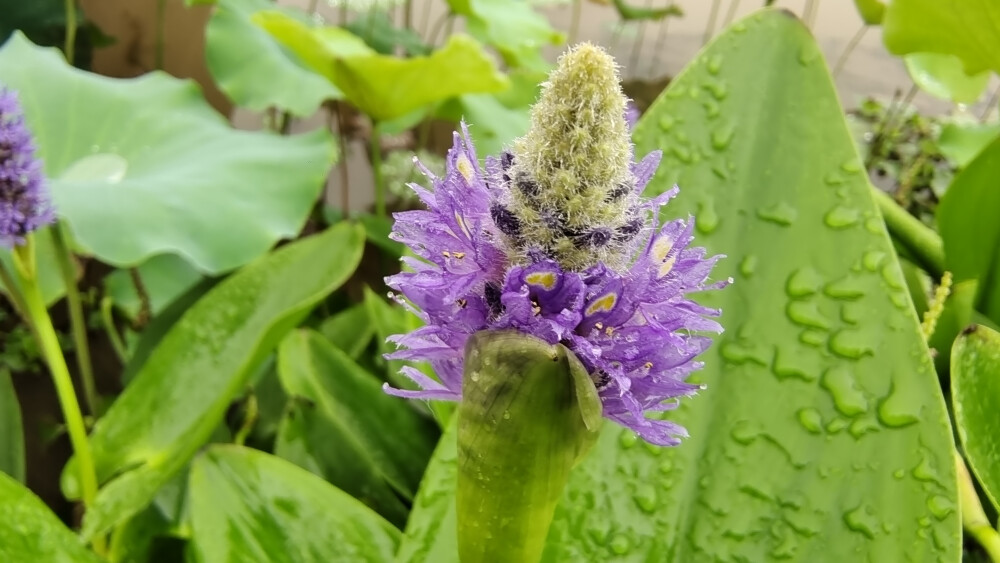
[{"x": 572, "y": 188}]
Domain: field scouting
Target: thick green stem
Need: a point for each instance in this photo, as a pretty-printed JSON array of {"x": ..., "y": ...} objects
[
  {"x": 76, "y": 320},
  {"x": 64, "y": 384},
  {"x": 376, "y": 148},
  {"x": 973, "y": 517},
  {"x": 70, "y": 43},
  {"x": 919, "y": 239}
]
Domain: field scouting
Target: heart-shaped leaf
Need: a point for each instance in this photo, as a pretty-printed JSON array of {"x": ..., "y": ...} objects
[
  {"x": 822, "y": 433},
  {"x": 975, "y": 392},
  {"x": 247, "y": 505},
  {"x": 30, "y": 532},
  {"x": 11, "y": 430},
  {"x": 254, "y": 70},
  {"x": 182, "y": 391},
  {"x": 132, "y": 184},
  {"x": 383, "y": 86},
  {"x": 966, "y": 30},
  {"x": 970, "y": 231}
]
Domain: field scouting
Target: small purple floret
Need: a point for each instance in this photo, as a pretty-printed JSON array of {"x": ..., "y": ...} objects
[
  {"x": 636, "y": 331},
  {"x": 24, "y": 200}
]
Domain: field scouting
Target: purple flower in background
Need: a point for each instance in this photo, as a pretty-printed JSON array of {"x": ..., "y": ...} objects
[
  {"x": 24, "y": 202},
  {"x": 568, "y": 254}
]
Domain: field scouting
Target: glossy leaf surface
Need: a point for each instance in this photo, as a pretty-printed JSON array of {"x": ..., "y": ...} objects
[
  {"x": 822, "y": 433},
  {"x": 975, "y": 393},
  {"x": 204, "y": 362},
  {"x": 370, "y": 444},
  {"x": 30, "y": 532},
  {"x": 117, "y": 166},
  {"x": 247, "y": 505}
]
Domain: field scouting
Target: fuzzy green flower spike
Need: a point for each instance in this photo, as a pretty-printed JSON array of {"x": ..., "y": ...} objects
[{"x": 575, "y": 193}]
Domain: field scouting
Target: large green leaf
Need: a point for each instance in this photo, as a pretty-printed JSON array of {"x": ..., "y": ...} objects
[
  {"x": 966, "y": 29},
  {"x": 247, "y": 505},
  {"x": 942, "y": 76},
  {"x": 350, "y": 330},
  {"x": 254, "y": 70},
  {"x": 132, "y": 183},
  {"x": 387, "y": 87},
  {"x": 383, "y": 86},
  {"x": 975, "y": 392},
  {"x": 11, "y": 430},
  {"x": 822, "y": 434},
  {"x": 182, "y": 391},
  {"x": 970, "y": 231},
  {"x": 374, "y": 443},
  {"x": 29, "y": 531}
]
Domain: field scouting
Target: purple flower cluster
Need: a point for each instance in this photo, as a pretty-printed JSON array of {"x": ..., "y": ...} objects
[
  {"x": 24, "y": 202},
  {"x": 632, "y": 329}
]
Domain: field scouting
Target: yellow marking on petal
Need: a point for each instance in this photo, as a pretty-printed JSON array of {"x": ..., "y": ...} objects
[
  {"x": 546, "y": 280},
  {"x": 458, "y": 255},
  {"x": 602, "y": 304},
  {"x": 461, "y": 223},
  {"x": 661, "y": 248},
  {"x": 465, "y": 167},
  {"x": 666, "y": 267}
]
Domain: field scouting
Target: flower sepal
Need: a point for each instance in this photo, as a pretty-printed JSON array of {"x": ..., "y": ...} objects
[{"x": 529, "y": 413}]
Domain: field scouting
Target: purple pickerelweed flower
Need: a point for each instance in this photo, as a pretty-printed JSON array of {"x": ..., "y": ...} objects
[
  {"x": 24, "y": 202},
  {"x": 554, "y": 240}
]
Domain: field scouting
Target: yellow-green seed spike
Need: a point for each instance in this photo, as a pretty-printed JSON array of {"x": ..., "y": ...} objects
[
  {"x": 529, "y": 413},
  {"x": 572, "y": 185}
]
